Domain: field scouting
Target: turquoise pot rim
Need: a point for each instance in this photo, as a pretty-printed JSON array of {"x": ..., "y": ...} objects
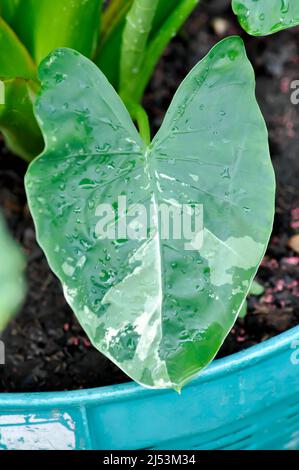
[{"x": 131, "y": 390}]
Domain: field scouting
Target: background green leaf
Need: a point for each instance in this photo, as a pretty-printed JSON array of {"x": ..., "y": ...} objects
[
  {"x": 17, "y": 121},
  {"x": 159, "y": 41},
  {"x": 243, "y": 311},
  {"x": 169, "y": 18},
  {"x": 263, "y": 17},
  {"x": 158, "y": 311},
  {"x": 44, "y": 25},
  {"x": 134, "y": 41},
  {"x": 8, "y": 9},
  {"x": 12, "y": 286},
  {"x": 15, "y": 61},
  {"x": 256, "y": 289},
  {"x": 107, "y": 55}
]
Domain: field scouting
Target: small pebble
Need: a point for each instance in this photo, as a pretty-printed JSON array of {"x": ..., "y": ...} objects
[{"x": 294, "y": 243}]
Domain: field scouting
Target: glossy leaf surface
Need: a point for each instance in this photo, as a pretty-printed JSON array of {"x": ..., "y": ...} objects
[
  {"x": 17, "y": 121},
  {"x": 11, "y": 277},
  {"x": 263, "y": 17},
  {"x": 44, "y": 25},
  {"x": 157, "y": 310}
]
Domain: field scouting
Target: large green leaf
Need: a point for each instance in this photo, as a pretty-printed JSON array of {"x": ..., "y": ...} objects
[
  {"x": 17, "y": 121},
  {"x": 157, "y": 310},
  {"x": 262, "y": 17},
  {"x": 12, "y": 287},
  {"x": 15, "y": 60},
  {"x": 44, "y": 25}
]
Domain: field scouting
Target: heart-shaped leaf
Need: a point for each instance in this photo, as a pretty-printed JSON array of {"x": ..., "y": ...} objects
[
  {"x": 263, "y": 17},
  {"x": 158, "y": 310}
]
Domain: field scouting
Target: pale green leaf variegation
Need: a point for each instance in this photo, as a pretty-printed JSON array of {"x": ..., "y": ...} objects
[
  {"x": 263, "y": 17},
  {"x": 158, "y": 310}
]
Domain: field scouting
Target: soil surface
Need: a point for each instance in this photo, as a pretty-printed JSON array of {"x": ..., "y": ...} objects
[{"x": 46, "y": 349}]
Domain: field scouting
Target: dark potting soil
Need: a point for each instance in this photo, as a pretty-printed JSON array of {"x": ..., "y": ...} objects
[{"x": 46, "y": 348}]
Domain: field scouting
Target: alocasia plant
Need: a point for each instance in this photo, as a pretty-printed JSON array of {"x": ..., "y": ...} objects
[
  {"x": 157, "y": 310},
  {"x": 12, "y": 286},
  {"x": 262, "y": 17}
]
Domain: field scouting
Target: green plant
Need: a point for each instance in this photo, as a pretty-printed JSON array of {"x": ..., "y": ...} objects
[
  {"x": 31, "y": 29},
  {"x": 12, "y": 286},
  {"x": 157, "y": 310},
  {"x": 262, "y": 17}
]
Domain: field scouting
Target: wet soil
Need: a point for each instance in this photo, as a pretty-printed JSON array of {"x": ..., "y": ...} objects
[{"x": 46, "y": 348}]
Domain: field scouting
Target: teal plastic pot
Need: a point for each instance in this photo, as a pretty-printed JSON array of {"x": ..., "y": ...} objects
[{"x": 246, "y": 401}]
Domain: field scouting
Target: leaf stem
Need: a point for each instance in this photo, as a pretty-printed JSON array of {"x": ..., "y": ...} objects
[
  {"x": 158, "y": 44},
  {"x": 143, "y": 124},
  {"x": 140, "y": 116},
  {"x": 135, "y": 37},
  {"x": 111, "y": 17}
]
